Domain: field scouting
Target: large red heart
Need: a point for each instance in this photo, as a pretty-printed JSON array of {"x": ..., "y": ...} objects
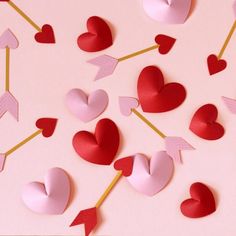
[
  {"x": 201, "y": 203},
  {"x": 97, "y": 38},
  {"x": 204, "y": 124},
  {"x": 165, "y": 43},
  {"x": 47, "y": 125},
  {"x": 154, "y": 95},
  {"x": 215, "y": 65},
  {"x": 46, "y": 35},
  {"x": 99, "y": 148}
]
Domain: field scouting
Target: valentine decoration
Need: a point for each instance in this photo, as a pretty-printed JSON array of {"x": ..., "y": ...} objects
[
  {"x": 201, "y": 203},
  {"x": 45, "y": 33},
  {"x": 98, "y": 37},
  {"x": 168, "y": 11},
  {"x": 204, "y": 124},
  {"x": 46, "y": 127},
  {"x": 86, "y": 107},
  {"x": 107, "y": 64},
  {"x": 52, "y": 197},
  {"x": 8, "y": 103}
]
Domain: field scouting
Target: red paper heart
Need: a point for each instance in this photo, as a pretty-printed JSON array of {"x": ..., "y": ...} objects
[
  {"x": 204, "y": 124},
  {"x": 165, "y": 43},
  {"x": 154, "y": 95},
  {"x": 201, "y": 203},
  {"x": 46, "y": 35},
  {"x": 99, "y": 148},
  {"x": 4, "y": 0},
  {"x": 47, "y": 125},
  {"x": 125, "y": 165},
  {"x": 215, "y": 65},
  {"x": 97, "y": 38}
]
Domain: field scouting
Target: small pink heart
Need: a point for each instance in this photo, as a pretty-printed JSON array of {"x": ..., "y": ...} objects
[
  {"x": 168, "y": 11},
  {"x": 150, "y": 177},
  {"x": 51, "y": 197},
  {"x": 127, "y": 104},
  {"x": 86, "y": 107},
  {"x": 8, "y": 39}
]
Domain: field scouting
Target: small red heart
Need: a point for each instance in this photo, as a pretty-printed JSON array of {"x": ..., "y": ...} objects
[
  {"x": 125, "y": 165},
  {"x": 154, "y": 95},
  {"x": 204, "y": 124},
  {"x": 4, "y": 0},
  {"x": 97, "y": 38},
  {"x": 201, "y": 203},
  {"x": 165, "y": 43},
  {"x": 215, "y": 65},
  {"x": 46, "y": 35},
  {"x": 47, "y": 125},
  {"x": 99, "y": 148}
]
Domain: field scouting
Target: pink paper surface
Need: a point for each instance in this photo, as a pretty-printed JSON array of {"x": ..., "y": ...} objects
[{"x": 43, "y": 74}]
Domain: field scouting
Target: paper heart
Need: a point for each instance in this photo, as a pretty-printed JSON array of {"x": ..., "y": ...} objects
[
  {"x": 47, "y": 125},
  {"x": 84, "y": 107},
  {"x": 165, "y": 43},
  {"x": 150, "y": 177},
  {"x": 46, "y": 35},
  {"x": 154, "y": 95},
  {"x": 204, "y": 124},
  {"x": 4, "y": 0},
  {"x": 51, "y": 197},
  {"x": 99, "y": 148},
  {"x": 98, "y": 37},
  {"x": 8, "y": 39},
  {"x": 201, "y": 203},
  {"x": 125, "y": 165},
  {"x": 215, "y": 65},
  {"x": 127, "y": 104},
  {"x": 168, "y": 11}
]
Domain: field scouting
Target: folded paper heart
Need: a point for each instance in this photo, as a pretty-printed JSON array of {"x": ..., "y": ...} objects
[
  {"x": 204, "y": 124},
  {"x": 154, "y": 95},
  {"x": 84, "y": 107},
  {"x": 8, "y": 39},
  {"x": 47, "y": 125},
  {"x": 98, "y": 37},
  {"x": 46, "y": 35},
  {"x": 150, "y": 177},
  {"x": 165, "y": 43},
  {"x": 51, "y": 197},
  {"x": 201, "y": 203},
  {"x": 168, "y": 11},
  {"x": 215, "y": 65},
  {"x": 99, "y": 148}
]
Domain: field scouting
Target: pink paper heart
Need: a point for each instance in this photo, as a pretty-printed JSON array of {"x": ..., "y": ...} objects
[
  {"x": 8, "y": 39},
  {"x": 150, "y": 177},
  {"x": 51, "y": 197},
  {"x": 84, "y": 107},
  {"x": 127, "y": 104},
  {"x": 168, "y": 11}
]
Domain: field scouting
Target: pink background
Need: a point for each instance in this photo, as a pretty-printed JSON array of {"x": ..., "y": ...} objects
[{"x": 41, "y": 75}]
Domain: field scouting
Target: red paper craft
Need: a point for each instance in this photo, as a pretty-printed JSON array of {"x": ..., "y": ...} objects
[
  {"x": 125, "y": 165},
  {"x": 46, "y": 35},
  {"x": 165, "y": 43},
  {"x": 204, "y": 123},
  {"x": 201, "y": 203},
  {"x": 4, "y": 0},
  {"x": 47, "y": 125},
  {"x": 97, "y": 38},
  {"x": 154, "y": 95},
  {"x": 215, "y": 65},
  {"x": 87, "y": 217},
  {"x": 99, "y": 148}
]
